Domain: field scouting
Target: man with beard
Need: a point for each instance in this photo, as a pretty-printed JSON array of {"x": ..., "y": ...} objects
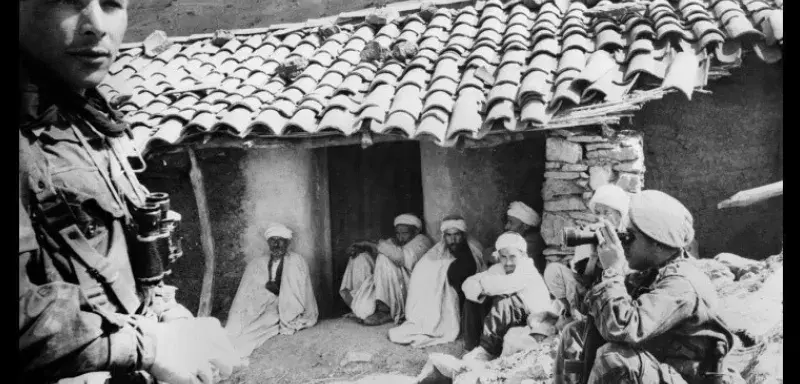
[
  {"x": 433, "y": 305},
  {"x": 275, "y": 296},
  {"x": 378, "y": 297}
]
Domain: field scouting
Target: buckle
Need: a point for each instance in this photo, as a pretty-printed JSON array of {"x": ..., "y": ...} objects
[{"x": 137, "y": 163}]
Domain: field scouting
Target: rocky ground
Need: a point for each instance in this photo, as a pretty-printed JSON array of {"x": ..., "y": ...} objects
[
  {"x": 343, "y": 352},
  {"x": 336, "y": 351}
]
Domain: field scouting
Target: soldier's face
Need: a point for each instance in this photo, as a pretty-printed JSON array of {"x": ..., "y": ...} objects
[
  {"x": 641, "y": 251},
  {"x": 76, "y": 39}
]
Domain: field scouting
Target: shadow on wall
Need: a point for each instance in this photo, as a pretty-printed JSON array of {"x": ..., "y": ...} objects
[
  {"x": 479, "y": 183},
  {"x": 224, "y": 193},
  {"x": 705, "y": 150},
  {"x": 284, "y": 186}
]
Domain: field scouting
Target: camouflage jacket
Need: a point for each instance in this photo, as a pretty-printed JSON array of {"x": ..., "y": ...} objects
[
  {"x": 66, "y": 328},
  {"x": 669, "y": 312}
]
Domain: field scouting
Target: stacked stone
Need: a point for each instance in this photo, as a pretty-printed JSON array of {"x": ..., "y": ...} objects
[{"x": 576, "y": 166}]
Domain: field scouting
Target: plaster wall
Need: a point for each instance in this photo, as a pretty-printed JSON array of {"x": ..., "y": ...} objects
[
  {"x": 479, "y": 183},
  {"x": 289, "y": 186},
  {"x": 705, "y": 150}
]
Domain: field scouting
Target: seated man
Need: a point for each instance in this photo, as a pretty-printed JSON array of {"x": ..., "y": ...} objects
[
  {"x": 522, "y": 219},
  {"x": 433, "y": 304},
  {"x": 569, "y": 284},
  {"x": 379, "y": 297},
  {"x": 274, "y": 296},
  {"x": 517, "y": 294},
  {"x": 661, "y": 323}
]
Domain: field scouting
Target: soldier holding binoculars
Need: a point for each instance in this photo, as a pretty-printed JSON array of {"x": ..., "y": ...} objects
[
  {"x": 94, "y": 244},
  {"x": 569, "y": 283}
]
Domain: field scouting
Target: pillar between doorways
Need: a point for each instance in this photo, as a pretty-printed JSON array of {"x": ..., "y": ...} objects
[{"x": 577, "y": 164}]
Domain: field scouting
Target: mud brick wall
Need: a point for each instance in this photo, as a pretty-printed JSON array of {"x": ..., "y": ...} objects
[{"x": 576, "y": 166}]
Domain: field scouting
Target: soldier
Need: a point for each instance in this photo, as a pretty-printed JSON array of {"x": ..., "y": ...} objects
[
  {"x": 84, "y": 316},
  {"x": 660, "y": 324}
]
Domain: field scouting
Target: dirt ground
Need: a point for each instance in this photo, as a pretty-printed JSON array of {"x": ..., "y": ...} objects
[{"x": 338, "y": 351}]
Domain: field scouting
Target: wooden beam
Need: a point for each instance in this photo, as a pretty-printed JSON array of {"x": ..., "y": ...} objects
[
  {"x": 206, "y": 238},
  {"x": 752, "y": 196}
]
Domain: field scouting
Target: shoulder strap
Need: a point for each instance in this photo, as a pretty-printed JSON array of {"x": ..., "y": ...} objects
[{"x": 50, "y": 211}]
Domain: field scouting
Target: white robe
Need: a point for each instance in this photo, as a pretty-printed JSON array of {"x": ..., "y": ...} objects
[
  {"x": 432, "y": 313},
  {"x": 384, "y": 280},
  {"x": 257, "y": 314},
  {"x": 524, "y": 281}
]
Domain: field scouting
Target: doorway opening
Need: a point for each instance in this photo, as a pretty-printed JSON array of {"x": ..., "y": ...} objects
[{"x": 368, "y": 188}]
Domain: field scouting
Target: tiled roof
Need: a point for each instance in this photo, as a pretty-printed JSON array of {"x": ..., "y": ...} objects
[{"x": 457, "y": 68}]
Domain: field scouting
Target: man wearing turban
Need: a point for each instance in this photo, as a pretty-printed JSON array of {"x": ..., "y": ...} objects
[
  {"x": 275, "y": 295},
  {"x": 376, "y": 279},
  {"x": 435, "y": 296},
  {"x": 660, "y": 323},
  {"x": 524, "y": 220},
  {"x": 568, "y": 284},
  {"x": 517, "y": 295}
]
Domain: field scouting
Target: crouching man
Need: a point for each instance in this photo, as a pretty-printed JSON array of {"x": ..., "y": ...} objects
[
  {"x": 376, "y": 290},
  {"x": 661, "y": 324},
  {"x": 518, "y": 294}
]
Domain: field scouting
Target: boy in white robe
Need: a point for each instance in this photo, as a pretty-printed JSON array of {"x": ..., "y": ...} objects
[
  {"x": 433, "y": 312},
  {"x": 376, "y": 290},
  {"x": 522, "y": 219},
  {"x": 275, "y": 296},
  {"x": 517, "y": 294}
]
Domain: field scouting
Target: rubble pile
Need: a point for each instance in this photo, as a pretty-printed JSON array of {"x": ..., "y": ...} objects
[{"x": 751, "y": 302}]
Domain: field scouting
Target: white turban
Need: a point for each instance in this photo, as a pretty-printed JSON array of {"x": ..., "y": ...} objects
[
  {"x": 511, "y": 240},
  {"x": 524, "y": 213},
  {"x": 278, "y": 230},
  {"x": 612, "y": 196},
  {"x": 458, "y": 224},
  {"x": 663, "y": 218},
  {"x": 408, "y": 219}
]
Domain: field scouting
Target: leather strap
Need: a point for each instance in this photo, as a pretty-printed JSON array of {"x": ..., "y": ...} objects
[{"x": 50, "y": 210}]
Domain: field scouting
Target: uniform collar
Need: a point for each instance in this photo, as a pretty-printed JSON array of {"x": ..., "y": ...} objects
[{"x": 44, "y": 100}]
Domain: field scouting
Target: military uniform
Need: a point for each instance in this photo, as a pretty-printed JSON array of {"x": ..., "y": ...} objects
[
  {"x": 79, "y": 307},
  {"x": 660, "y": 325}
]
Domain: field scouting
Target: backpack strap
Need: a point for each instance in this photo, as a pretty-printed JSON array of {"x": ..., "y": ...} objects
[{"x": 50, "y": 211}]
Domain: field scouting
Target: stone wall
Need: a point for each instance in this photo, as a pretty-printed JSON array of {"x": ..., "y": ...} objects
[{"x": 578, "y": 164}]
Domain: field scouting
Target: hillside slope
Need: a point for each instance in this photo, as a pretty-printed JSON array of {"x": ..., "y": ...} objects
[{"x": 181, "y": 17}]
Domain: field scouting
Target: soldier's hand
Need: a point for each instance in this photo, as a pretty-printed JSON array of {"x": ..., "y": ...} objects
[
  {"x": 177, "y": 359},
  {"x": 215, "y": 342},
  {"x": 609, "y": 249},
  {"x": 193, "y": 351}
]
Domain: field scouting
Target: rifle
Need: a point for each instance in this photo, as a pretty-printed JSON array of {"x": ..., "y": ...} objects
[{"x": 593, "y": 340}]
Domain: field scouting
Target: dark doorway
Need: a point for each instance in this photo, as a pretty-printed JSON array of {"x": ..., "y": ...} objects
[{"x": 368, "y": 188}]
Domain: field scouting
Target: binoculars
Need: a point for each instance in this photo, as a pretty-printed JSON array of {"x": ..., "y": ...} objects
[
  {"x": 157, "y": 242},
  {"x": 574, "y": 237}
]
